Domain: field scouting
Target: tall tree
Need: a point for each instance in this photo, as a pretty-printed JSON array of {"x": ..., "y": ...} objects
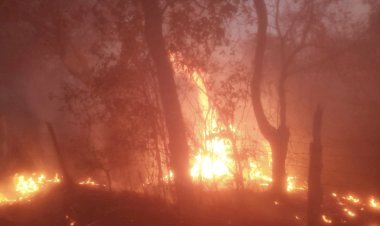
[
  {"x": 293, "y": 36},
  {"x": 178, "y": 146},
  {"x": 277, "y": 137}
]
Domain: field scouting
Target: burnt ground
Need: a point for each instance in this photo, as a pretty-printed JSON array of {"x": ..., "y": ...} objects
[{"x": 96, "y": 207}]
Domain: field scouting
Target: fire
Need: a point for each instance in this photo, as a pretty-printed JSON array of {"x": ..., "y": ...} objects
[
  {"x": 352, "y": 199},
  {"x": 349, "y": 213},
  {"x": 26, "y": 186},
  {"x": 292, "y": 186},
  {"x": 212, "y": 165},
  {"x": 256, "y": 174},
  {"x": 89, "y": 181},
  {"x": 214, "y": 160},
  {"x": 326, "y": 219},
  {"x": 373, "y": 203}
]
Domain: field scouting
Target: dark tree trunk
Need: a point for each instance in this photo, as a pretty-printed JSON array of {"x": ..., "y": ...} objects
[
  {"x": 279, "y": 146},
  {"x": 67, "y": 180},
  {"x": 277, "y": 137},
  {"x": 179, "y": 152},
  {"x": 315, "y": 168}
]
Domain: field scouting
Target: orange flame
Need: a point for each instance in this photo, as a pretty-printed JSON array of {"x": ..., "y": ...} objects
[{"x": 373, "y": 203}]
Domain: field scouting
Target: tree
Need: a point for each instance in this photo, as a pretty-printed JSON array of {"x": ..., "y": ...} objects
[
  {"x": 293, "y": 37},
  {"x": 178, "y": 146},
  {"x": 278, "y": 138}
]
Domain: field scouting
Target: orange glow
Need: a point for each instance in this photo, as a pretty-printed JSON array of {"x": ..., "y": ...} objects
[
  {"x": 349, "y": 213},
  {"x": 89, "y": 181},
  {"x": 352, "y": 199},
  {"x": 213, "y": 160},
  {"x": 326, "y": 219},
  {"x": 373, "y": 203},
  {"x": 26, "y": 186}
]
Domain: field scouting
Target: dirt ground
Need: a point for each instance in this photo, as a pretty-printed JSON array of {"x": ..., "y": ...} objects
[{"x": 96, "y": 207}]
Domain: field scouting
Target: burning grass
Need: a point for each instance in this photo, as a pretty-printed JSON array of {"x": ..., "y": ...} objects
[{"x": 26, "y": 186}]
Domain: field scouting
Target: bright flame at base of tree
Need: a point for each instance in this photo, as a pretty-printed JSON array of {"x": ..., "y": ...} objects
[
  {"x": 216, "y": 155},
  {"x": 212, "y": 165}
]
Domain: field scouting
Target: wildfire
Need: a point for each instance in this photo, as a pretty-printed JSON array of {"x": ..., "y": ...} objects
[
  {"x": 214, "y": 164},
  {"x": 214, "y": 160},
  {"x": 25, "y": 186}
]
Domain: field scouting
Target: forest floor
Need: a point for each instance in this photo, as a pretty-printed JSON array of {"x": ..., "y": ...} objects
[{"x": 97, "y": 207}]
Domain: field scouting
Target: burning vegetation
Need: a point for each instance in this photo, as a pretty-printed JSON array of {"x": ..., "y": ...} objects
[{"x": 160, "y": 112}]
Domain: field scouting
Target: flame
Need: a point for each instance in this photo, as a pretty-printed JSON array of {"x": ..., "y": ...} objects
[
  {"x": 326, "y": 219},
  {"x": 26, "y": 186},
  {"x": 213, "y": 161},
  {"x": 292, "y": 186},
  {"x": 349, "y": 213},
  {"x": 89, "y": 181},
  {"x": 351, "y": 199},
  {"x": 373, "y": 203},
  {"x": 213, "y": 164}
]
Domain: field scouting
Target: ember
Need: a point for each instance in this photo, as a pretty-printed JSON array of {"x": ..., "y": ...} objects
[{"x": 326, "y": 219}]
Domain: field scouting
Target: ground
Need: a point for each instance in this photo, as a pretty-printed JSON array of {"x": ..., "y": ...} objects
[{"x": 97, "y": 207}]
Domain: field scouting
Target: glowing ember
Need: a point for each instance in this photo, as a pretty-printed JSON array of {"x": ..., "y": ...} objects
[
  {"x": 349, "y": 213},
  {"x": 373, "y": 203},
  {"x": 70, "y": 221},
  {"x": 89, "y": 181},
  {"x": 326, "y": 219},
  {"x": 352, "y": 199}
]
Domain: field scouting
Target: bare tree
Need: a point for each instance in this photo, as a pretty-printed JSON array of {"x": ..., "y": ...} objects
[{"x": 293, "y": 39}]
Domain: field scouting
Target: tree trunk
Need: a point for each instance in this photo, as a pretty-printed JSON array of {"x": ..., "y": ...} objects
[
  {"x": 315, "y": 169},
  {"x": 279, "y": 148},
  {"x": 277, "y": 137},
  {"x": 67, "y": 181},
  {"x": 179, "y": 151}
]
